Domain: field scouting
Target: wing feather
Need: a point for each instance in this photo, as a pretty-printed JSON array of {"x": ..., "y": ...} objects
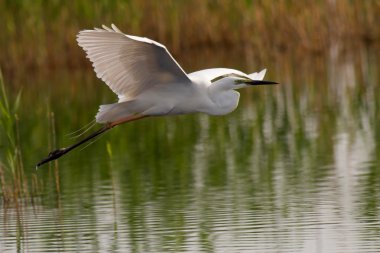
[
  {"x": 214, "y": 73},
  {"x": 129, "y": 64}
]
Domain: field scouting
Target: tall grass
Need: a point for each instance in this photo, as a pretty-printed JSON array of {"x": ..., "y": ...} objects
[
  {"x": 11, "y": 165},
  {"x": 16, "y": 186},
  {"x": 36, "y": 33}
]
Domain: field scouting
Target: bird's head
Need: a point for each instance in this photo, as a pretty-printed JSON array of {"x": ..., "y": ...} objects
[{"x": 234, "y": 81}]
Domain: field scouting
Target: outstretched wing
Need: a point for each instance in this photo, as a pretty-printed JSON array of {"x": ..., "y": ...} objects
[
  {"x": 258, "y": 75},
  {"x": 129, "y": 64}
]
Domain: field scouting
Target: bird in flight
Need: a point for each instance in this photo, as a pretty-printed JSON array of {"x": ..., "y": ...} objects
[{"x": 149, "y": 82}]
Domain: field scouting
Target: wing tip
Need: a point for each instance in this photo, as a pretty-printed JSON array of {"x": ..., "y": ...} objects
[
  {"x": 115, "y": 28},
  {"x": 258, "y": 75},
  {"x": 85, "y": 34},
  {"x": 103, "y": 28},
  {"x": 262, "y": 73}
]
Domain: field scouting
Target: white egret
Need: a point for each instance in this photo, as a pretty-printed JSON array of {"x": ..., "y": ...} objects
[{"x": 149, "y": 82}]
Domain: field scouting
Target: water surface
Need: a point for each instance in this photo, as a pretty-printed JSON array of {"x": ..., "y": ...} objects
[{"x": 296, "y": 168}]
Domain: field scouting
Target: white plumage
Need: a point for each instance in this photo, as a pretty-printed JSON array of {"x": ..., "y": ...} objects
[{"x": 149, "y": 82}]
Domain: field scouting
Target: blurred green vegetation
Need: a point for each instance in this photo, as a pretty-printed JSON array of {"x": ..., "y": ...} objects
[
  {"x": 39, "y": 36},
  {"x": 12, "y": 179}
]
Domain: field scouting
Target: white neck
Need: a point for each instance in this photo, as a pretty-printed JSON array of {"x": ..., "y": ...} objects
[{"x": 225, "y": 99}]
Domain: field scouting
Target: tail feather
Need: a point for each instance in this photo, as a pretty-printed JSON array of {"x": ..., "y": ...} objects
[{"x": 113, "y": 112}]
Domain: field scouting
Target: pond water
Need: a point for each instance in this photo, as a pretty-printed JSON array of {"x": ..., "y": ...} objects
[{"x": 296, "y": 168}]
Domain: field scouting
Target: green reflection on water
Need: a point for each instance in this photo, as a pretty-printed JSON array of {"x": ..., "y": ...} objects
[{"x": 294, "y": 167}]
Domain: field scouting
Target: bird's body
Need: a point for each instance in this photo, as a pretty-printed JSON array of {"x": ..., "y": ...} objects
[
  {"x": 149, "y": 82},
  {"x": 175, "y": 98}
]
